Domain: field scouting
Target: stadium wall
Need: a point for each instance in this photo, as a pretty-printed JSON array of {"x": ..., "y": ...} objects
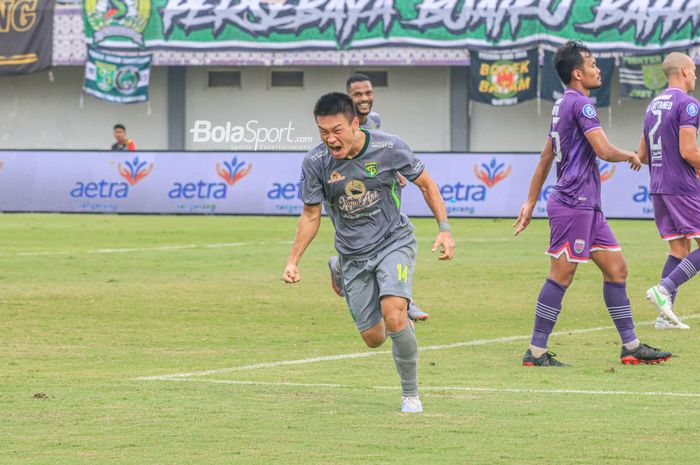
[
  {"x": 267, "y": 183},
  {"x": 418, "y": 104},
  {"x": 37, "y": 113}
]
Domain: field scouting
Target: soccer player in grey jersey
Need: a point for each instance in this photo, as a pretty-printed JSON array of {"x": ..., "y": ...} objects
[
  {"x": 669, "y": 146},
  {"x": 359, "y": 89},
  {"x": 355, "y": 171},
  {"x": 578, "y": 228}
]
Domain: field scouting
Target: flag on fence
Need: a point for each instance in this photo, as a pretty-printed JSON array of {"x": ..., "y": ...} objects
[
  {"x": 117, "y": 78},
  {"x": 642, "y": 76},
  {"x": 26, "y": 36},
  {"x": 504, "y": 78}
]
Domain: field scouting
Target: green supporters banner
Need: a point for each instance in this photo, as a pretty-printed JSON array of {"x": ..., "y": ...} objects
[
  {"x": 503, "y": 78},
  {"x": 642, "y": 77},
  {"x": 604, "y": 25},
  {"x": 117, "y": 79},
  {"x": 26, "y": 35}
]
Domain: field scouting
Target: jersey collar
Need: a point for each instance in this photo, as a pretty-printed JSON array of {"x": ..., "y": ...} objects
[{"x": 364, "y": 147}]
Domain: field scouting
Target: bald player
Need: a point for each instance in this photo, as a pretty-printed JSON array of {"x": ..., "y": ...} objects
[{"x": 669, "y": 146}]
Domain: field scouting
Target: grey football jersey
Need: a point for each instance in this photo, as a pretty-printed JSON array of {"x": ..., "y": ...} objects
[
  {"x": 373, "y": 121},
  {"x": 363, "y": 193}
]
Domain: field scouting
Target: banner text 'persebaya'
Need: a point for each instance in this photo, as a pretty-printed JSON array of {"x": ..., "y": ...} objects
[{"x": 605, "y": 25}]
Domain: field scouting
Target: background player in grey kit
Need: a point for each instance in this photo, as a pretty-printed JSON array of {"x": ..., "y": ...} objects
[
  {"x": 355, "y": 171},
  {"x": 359, "y": 89},
  {"x": 669, "y": 145},
  {"x": 578, "y": 228}
]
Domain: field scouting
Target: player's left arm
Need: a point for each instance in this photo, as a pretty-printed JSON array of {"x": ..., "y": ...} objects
[
  {"x": 687, "y": 143},
  {"x": 642, "y": 151},
  {"x": 608, "y": 152},
  {"x": 434, "y": 200}
]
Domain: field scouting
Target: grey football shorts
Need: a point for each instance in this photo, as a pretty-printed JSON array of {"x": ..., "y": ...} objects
[{"x": 389, "y": 273}]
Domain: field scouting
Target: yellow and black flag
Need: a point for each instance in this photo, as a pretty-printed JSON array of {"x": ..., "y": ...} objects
[
  {"x": 503, "y": 78},
  {"x": 26, "y": 35}
]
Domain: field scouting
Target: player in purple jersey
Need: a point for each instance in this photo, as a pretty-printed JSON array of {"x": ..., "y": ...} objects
[
  {"x": 578, "y": 228},
  {"x": 669, "y": 146}
]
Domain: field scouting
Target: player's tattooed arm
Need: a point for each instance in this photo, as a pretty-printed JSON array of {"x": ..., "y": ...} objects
[
  {"x": 608, "y": 152},
  {"x": 309, "y": 222},
  {"x": 536, "y": 183}
]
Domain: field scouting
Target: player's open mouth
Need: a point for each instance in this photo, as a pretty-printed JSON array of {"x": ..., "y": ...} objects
[{"x": 335, "y": 149}]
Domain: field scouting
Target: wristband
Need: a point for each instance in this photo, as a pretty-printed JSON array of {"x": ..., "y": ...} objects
[{"x": 444, "y": 226}]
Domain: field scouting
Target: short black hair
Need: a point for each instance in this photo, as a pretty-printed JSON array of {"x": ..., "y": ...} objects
[
  {"x": 568, "y": 58},
  {"x": 119, "y": 126},
  {"x": 357, "y": 77},
  {"x": 334, "y": 103}
]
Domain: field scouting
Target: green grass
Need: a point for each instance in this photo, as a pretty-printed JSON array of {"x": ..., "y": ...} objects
[{"x": 80, "y": 324}]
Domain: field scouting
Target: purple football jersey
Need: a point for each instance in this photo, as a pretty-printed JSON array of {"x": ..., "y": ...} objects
[
  {"x": 665, "y": 115},
  {"x": 578, "y": 178}
]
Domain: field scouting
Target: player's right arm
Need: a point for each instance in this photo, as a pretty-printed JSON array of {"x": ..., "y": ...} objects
[
  {"x": 608, "y": 152},
  {"x": 310, "y": 219},
  {"x": 642, "y": 151},
  {"x": 307, "y": 227},
  {"x": 538, "y": 178},
  {"x": 688, "y": 146}
]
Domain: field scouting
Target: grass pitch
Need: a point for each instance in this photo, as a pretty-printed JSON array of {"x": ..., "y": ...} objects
[{"x": 91, "y": 304}]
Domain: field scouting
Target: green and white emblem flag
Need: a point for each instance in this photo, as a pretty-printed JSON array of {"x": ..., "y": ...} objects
[{"x": 117, "y": 78}]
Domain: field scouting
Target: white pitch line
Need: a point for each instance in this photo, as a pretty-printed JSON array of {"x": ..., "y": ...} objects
[
  {"x": 446, "y": 388},
  {"x": 260, "y": 383},
  {"x": 356, "y": 355},
  {"x": 144, "y": 249}
]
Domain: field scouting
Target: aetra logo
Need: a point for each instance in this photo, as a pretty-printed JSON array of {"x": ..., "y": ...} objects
[
  {"x": 230, "y": 171},
  {"x": 132, "y": 171}
]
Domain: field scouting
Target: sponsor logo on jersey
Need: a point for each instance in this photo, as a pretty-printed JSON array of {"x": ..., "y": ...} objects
[
  {"x": 357, "y": 200},
  {"x": 381, "y": 144},
  {"x": 335, "y": 177}
]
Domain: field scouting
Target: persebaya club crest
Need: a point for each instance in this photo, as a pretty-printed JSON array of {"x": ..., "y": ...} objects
[
  {"x": 124, "y": 79},
  {"x": 117, "y": 18},
  {"x": 371, "y": 169}
]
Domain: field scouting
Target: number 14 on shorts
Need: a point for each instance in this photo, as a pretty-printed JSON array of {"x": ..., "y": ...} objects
[{"x": 402, "y": 271}]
